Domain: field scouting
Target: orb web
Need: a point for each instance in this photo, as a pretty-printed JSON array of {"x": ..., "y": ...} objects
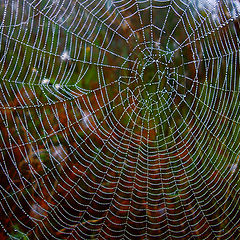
[{"x": 119, "y": 119}]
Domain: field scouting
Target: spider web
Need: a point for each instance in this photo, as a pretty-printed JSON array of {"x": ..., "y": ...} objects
[{"x": 119, "y": 119}]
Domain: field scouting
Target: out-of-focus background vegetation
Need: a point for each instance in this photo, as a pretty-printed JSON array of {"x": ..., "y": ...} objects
[{"x": 78, "y": 115}]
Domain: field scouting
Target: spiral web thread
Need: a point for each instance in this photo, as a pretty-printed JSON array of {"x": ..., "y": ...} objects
[{"x": 119, "y": 119}]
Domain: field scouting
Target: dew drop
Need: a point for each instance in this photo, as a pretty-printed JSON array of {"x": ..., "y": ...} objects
[
  {"x": 65, "y": 56},
  {"x": 34, "y": 70},
  {"x": 57, "y": 86},
  {"x": 45, "y": 81}
]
